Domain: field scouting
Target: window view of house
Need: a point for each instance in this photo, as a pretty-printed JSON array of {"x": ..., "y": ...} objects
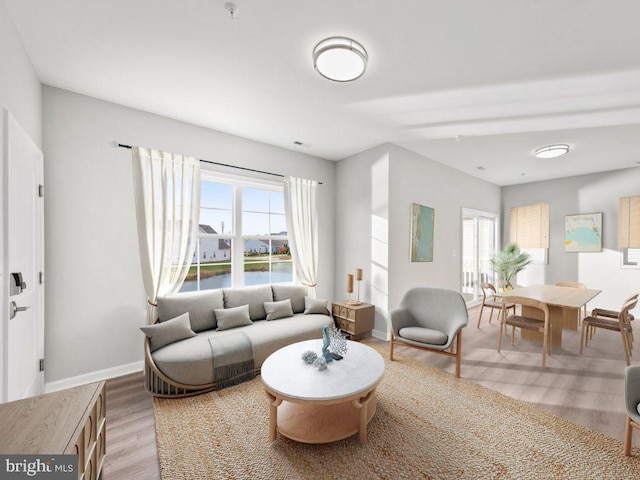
[{"x": 261, "y": 237}]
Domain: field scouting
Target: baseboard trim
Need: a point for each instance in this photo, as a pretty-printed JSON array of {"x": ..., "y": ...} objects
[
  {"x": 94, "y": 377},
  {"x": 380, "y": 335}
]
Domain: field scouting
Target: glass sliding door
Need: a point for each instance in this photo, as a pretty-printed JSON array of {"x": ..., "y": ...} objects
[{"x": 479, "y": 243}]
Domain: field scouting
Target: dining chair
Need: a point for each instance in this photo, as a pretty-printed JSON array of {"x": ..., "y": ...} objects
[
  {"x": 491, "y": 301},
  {"x": 632, "y": 404},
  {"x": 583, "y": 313},
  {"x": 527, "y": 323},
  {"x": 603, "y": 312},
  {"x": 622, "y": 324}
]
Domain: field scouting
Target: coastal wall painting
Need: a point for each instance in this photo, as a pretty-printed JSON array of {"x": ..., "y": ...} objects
[
  {"x": 421, "y": 233},
  {"x": 583, "y": 233}
]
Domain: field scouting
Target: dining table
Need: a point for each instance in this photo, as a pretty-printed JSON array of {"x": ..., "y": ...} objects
[{"x": 564, "y": 308}]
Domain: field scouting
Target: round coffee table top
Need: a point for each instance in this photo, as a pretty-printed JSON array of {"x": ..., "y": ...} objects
[{"x": 286, "y": 374}]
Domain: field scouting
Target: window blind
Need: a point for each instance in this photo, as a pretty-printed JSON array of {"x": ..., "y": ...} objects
[
  {"x": 629, "y": 222},
  {"x": 529, "y": 226}
]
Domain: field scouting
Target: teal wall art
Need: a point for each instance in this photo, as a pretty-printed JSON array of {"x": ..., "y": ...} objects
[{"x": 421, "y": 233}]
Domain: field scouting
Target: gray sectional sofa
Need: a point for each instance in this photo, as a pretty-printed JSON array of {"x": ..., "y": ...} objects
[{"x": 178, "y": 353}]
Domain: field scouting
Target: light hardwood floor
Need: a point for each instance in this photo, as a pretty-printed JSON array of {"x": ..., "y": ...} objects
[{"x": 587, "y": 389}]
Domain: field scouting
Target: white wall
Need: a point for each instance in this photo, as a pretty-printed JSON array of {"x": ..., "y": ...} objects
[
  {"x": 416, "y": 179},
  {"x": 19, "y": 84},
  {"x": 95, "y": 297},
  {"x": 598, "y": 192},
  {"x": 362, "y": 198},
  {"x": 20, "y": 95},
  {"x": 375, "y": 190}
]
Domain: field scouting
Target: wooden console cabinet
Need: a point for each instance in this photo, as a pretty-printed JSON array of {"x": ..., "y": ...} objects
[
  {"x": 355, "y": 320},
  {"x": 71, "y": 421}
]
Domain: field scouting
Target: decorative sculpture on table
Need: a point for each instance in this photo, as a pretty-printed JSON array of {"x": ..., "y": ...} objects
[
  {"x": 309, "y": 357},
  {"x": 326, "y": 342},
  {"x": 334, "y": 347},
  {"x": 320, "y": 363},
  {"x": 337, "y": 343}
]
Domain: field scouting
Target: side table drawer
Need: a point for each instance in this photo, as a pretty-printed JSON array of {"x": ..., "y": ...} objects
[{"x": 355, "y": 320}]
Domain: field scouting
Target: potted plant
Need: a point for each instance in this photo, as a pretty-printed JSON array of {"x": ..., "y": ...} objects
[{"x": 509, "y": 261}]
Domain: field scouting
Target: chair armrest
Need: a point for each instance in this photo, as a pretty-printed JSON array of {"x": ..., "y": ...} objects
[
  {"x": 400, "y": 318},
  {"x": 632, "y": 391},
  {"x": 460, "y": 320}
]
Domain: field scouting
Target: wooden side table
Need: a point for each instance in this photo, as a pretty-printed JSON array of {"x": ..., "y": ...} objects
[
  {"x": 70, "y": 421},
  {"x": 355, "y": 320}
]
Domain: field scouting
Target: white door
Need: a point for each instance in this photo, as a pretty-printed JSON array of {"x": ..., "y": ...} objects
[
  {"x": 23, "y": 265},
  {"x": 479, "y": 236}
]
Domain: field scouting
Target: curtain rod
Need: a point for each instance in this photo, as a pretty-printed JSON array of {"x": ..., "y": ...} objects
[{"x": 116, "y": 144}]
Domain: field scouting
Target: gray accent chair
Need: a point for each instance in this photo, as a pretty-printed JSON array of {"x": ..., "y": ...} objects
[
  {"x": 632, "y": 399},
  {"x": 430, "y": 319}
]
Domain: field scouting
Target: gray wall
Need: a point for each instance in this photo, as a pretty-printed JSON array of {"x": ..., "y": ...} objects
[
  {"x": 375, "y": 190},
  {"x": 95, "y": 297},
  {"x": 598, "y": 192}
]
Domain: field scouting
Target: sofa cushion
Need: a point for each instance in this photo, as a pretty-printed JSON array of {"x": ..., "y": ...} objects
[
  {"x": 294, "y": 292},
  {"x": 190, "y": 361},
  {"x": 252, "y": 296},
  {"x": 232, "y": 317},
  {"x": 315, "y": 306},
  {"x": 281, "y": 309},
  {"x": 200, "y": 306},
  {"x": 169, "y": 331}
]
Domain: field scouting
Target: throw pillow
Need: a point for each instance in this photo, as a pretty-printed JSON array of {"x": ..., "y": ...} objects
[
  {"x": 315, "y": 305},
  {"x": 164, "y": 333},
  {"x": 232, "y": 317},
  {"x": 279, "y": 309}
]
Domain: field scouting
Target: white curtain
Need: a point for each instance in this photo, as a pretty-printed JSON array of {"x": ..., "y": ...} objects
[
  {"x": 301, "y": 209},
  {"x": 167, "y": 194}
]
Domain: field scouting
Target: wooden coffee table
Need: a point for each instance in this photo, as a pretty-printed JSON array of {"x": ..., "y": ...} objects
[{"x": 321, "y": 406}]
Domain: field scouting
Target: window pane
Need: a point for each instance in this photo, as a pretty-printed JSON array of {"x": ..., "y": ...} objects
[
  {"x": 218, "y": 221},
  {"x": 255, "y": 223},
  {"x": 216, "y": 204},
  {"x": 267, "y": 262},
  {"x": 278, "y": 225},
  {"x": 281, "y": 264},
  {"x": 257, "y": 262},
  {"x": 216, "y": 195},
  {"x": 277, "y": 202},
  {"x": 255, "y": 200},
  {"x": 214, "y": 257}
]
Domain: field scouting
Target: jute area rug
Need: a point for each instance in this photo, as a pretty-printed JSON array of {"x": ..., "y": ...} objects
[{"x": 428, "y": 424}]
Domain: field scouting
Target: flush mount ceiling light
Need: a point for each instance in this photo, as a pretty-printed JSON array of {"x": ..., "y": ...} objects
[
  {"x": 340, "y": 59},
  {"x": 552, "y": 151}
]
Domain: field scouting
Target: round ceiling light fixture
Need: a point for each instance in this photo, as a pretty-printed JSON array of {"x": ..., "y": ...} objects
[
  {"x": 552, "y": 151},
  {"x": 340, "y": 59}
]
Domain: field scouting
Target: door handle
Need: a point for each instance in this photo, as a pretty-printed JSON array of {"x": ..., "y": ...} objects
[{"x": 13, "y": 309}]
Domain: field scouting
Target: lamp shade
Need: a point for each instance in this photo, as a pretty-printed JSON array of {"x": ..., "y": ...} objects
[
  {"x": 340, "y": 59},
  {"x": 552, "y": 151}
]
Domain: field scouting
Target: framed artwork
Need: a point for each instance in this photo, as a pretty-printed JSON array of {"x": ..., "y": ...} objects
[
  {"x": 421, "y": 233},
  {"x": 583, "y": 233}
]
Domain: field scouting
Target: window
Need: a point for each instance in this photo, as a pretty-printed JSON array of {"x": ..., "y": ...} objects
[
  {"x": 242, "y": 237},
  {"x": 629, "y": 231},
  {"x": 529, "y": 226},
  {"x": 479, "y": 238},
  {"x": 529, "y": 229}
]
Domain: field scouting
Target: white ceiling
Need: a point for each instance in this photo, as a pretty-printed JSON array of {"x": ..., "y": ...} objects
[{"x": 467, "y": 83}]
